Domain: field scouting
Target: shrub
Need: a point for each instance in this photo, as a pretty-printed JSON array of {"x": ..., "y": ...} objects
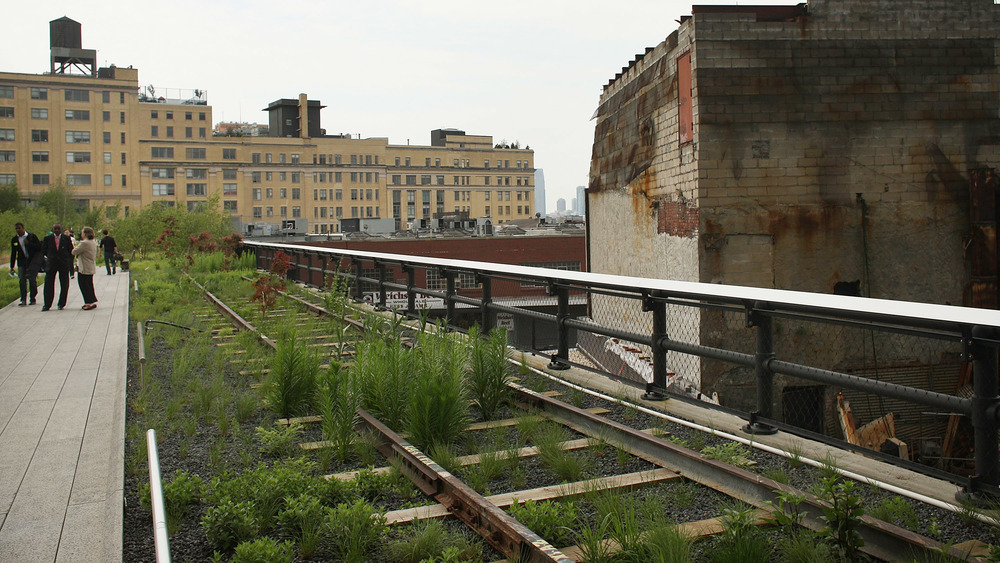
[
  {"x": 264, "y": 550},
  {"x": 184, "y": 490},
  {"x": 488, "y": 376},
  {"x": 354, "y": 530},
  {"x": 280, "y": 440},
  {"x": 302, "y": 520},
  {"x": 229, "y": 523},
  {"x": 384, "y": 375}
]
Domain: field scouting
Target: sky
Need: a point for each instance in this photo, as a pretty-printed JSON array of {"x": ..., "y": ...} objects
[{"x": 520, "y": 70}]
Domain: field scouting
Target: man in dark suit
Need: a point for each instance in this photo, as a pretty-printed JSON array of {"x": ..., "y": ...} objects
[
  {"x": 58, "y": 249},
  {"x": 26, "y": 253}
]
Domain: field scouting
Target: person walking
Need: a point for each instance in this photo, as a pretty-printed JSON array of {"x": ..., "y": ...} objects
[
  {"x": 86, "y": 260},
  {"x": 110, "y": 250},
  {"x": 58, "y": 250},
  {"x": 26, "y": 253}
]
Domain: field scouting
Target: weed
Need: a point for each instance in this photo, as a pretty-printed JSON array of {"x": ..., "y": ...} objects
[
  {"x": 366, "y": 446},
  {"x": 279, "y": 441},
  {"x": 597, "y": 446},
  {"x": 785, "y": 512},
  {"x": 697, "y": 440},
  {"x": 491, "y": 465},
  {"x": 576, "y": 397},
  {"x": 529, "y": 425},
  {"x": 777, "y": 474},
  {"x": 842, "y": 515},
  {"x": 429, "y": 540},
  {"x": 623, "y": 456},
  {"x": 246, "y": 406},
  {"x": 444, "y": 455},
  {"x": 371, "y": 485},
  {"x": 896, "y": 510},
  {"x": 591, "y": 542},
  {"x": 740, "y": 541},
  {"x": 566, "y": 465},
  {"x": 552, "y": 521},
  {"x": 794, "y": 450},
  {"x": 802, "y": 547},
  {"x": 384, "y": 375},
  {"x": 828, "y": 468},
  {"x": 683, "y": 494},
  {"x": 732, "y": 453},
  {"x": 667, "y": 544}
]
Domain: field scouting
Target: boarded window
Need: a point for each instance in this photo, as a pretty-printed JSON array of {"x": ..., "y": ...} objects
[{"x": 685, "y": 117}]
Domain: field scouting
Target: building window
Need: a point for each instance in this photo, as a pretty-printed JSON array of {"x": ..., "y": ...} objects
[
  {"x": 106, "y": 137},
  {"x": 124, "y": 183},
  {"x": 77, "y": 95},
  {"x": 163, "y": 152},
  {"x": 39, "y": 156},
  {"x": 255, "y": 158},
  {"x": 197, "y": 189},
  {"x": 106, "y": 115},
  {"x": 78, "y": 157},
  {"x": 39, "y": 113},
  {"x": 6, "y": 134},
  {"x": 77, "y": 115},
  {"x": 257, "y": 194},
  {"x": 283, "y": 211},
  {"x": 123, "y": 158},
  {"x": 197, "y": 173},
  {"x": 228, "y": 173},
  {"x": 296, "y": 211},
  {"x": 201, "y": 116},
  {"x": 163, "y": 189},
  {"x": 123, "y": 138},
  {"x": 36, "y": 93},
  {"x": 6, "y": 156},
  {"x": 269, "y": 193},
  {"x": 228, "y": 189},
  {"x": 229, "y": 205},
  {"x": 296, "y": 194},
  {"x": 170, "y": 115},
  {"x": 78, "y": 179},
  {"x": 201, "y": 133},
  {"x": 195, "y": 153},
  {"x": 187, "y": 115},
  {"x": 257, "y": 212},
  {"x": 296, "y": 177},
  {"x": 154, "y": 131},
  {"x": 81, "y": 137},
  {"x": 40, "y": 179},
  {"x": 6, "y": 112},
  {"x": 107, "y": 179}
]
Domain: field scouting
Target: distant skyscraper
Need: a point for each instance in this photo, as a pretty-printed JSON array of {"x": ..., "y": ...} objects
[
  {"x": 581, "y": 201},
  {"x": 561, "y": 205},
  {"x": 539, "y": 192},
  {"x": 572, "y": 206}
]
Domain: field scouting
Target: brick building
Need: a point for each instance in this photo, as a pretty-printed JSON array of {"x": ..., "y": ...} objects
[{"x": 823, "y": 147}]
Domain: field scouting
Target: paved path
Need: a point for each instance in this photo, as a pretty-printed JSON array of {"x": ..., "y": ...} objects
[{"x": 62, "y": 426}]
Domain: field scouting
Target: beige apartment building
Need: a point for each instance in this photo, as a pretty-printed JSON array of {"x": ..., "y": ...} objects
[{"x": 115, "y": 143}]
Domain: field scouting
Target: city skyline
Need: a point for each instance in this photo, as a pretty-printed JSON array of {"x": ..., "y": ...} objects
[{"x": 531, "y": 72}]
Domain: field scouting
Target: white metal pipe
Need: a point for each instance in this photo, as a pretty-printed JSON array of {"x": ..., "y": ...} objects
[
  {"x": 770, "y": 449},
  {"x": 161, "y": 541}
]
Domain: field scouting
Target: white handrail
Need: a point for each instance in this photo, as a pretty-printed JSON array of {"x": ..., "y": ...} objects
[{"x": 161, "y": 541}]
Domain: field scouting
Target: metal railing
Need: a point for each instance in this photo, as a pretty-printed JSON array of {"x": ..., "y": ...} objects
[
  {"x": 676, "y": 336},
  {"x": 160, "y": 539}
]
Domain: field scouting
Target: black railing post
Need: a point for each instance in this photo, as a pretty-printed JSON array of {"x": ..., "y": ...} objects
[
  {"x": 561, "y": 359},
  {"x": 985, "y": 401},
  {"x": 411, "y": 277},
  {"x": 654, "y": 388},
  {"x": 359, "y": 294},
  {"x": 756, "y": 317},
  {"x": 449, "y": 278},
  {"x": 380, "y": 268},
  {"x": 487, "y": 298}
]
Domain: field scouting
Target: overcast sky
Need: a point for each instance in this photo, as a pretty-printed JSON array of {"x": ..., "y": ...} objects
[{"x": 530, "y": 71}]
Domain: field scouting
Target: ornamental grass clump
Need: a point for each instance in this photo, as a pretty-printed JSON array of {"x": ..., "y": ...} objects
[
  {"x": 383, "y": 372},
  {"x": 488, "y": 375},
  {"x": 291, "y": 384},
  {"x": 337, "y": 403},
  {"x": 438, "y": 406}
]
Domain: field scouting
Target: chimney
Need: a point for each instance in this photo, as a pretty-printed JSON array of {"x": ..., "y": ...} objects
[{"x": 303, "y": 116}]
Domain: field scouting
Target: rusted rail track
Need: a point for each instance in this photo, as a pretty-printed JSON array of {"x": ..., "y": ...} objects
[{"x": 882, "y": 540}]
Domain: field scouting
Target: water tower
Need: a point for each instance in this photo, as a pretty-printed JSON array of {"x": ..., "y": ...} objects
[{"x": 66, "y": 48}]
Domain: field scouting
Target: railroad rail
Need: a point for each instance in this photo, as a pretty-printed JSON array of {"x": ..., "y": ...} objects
[{"x": 882, "y": 540}]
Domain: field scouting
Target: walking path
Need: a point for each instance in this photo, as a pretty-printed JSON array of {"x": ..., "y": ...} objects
[{"x": 62, "y": 426}]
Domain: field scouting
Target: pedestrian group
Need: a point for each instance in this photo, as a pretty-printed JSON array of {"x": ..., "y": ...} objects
[{"x": 55, "y": 254}]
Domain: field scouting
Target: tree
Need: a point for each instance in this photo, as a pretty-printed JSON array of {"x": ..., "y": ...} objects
[
  {"x": 10, "y": 197},
  {"x": 58, "y": 199}
]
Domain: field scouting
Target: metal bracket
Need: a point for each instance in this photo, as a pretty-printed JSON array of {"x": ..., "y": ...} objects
[{"x": 757, "y": 427}]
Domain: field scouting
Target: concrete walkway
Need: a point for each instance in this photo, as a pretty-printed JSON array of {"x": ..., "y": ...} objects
[{"x": 62, "y": 426}]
